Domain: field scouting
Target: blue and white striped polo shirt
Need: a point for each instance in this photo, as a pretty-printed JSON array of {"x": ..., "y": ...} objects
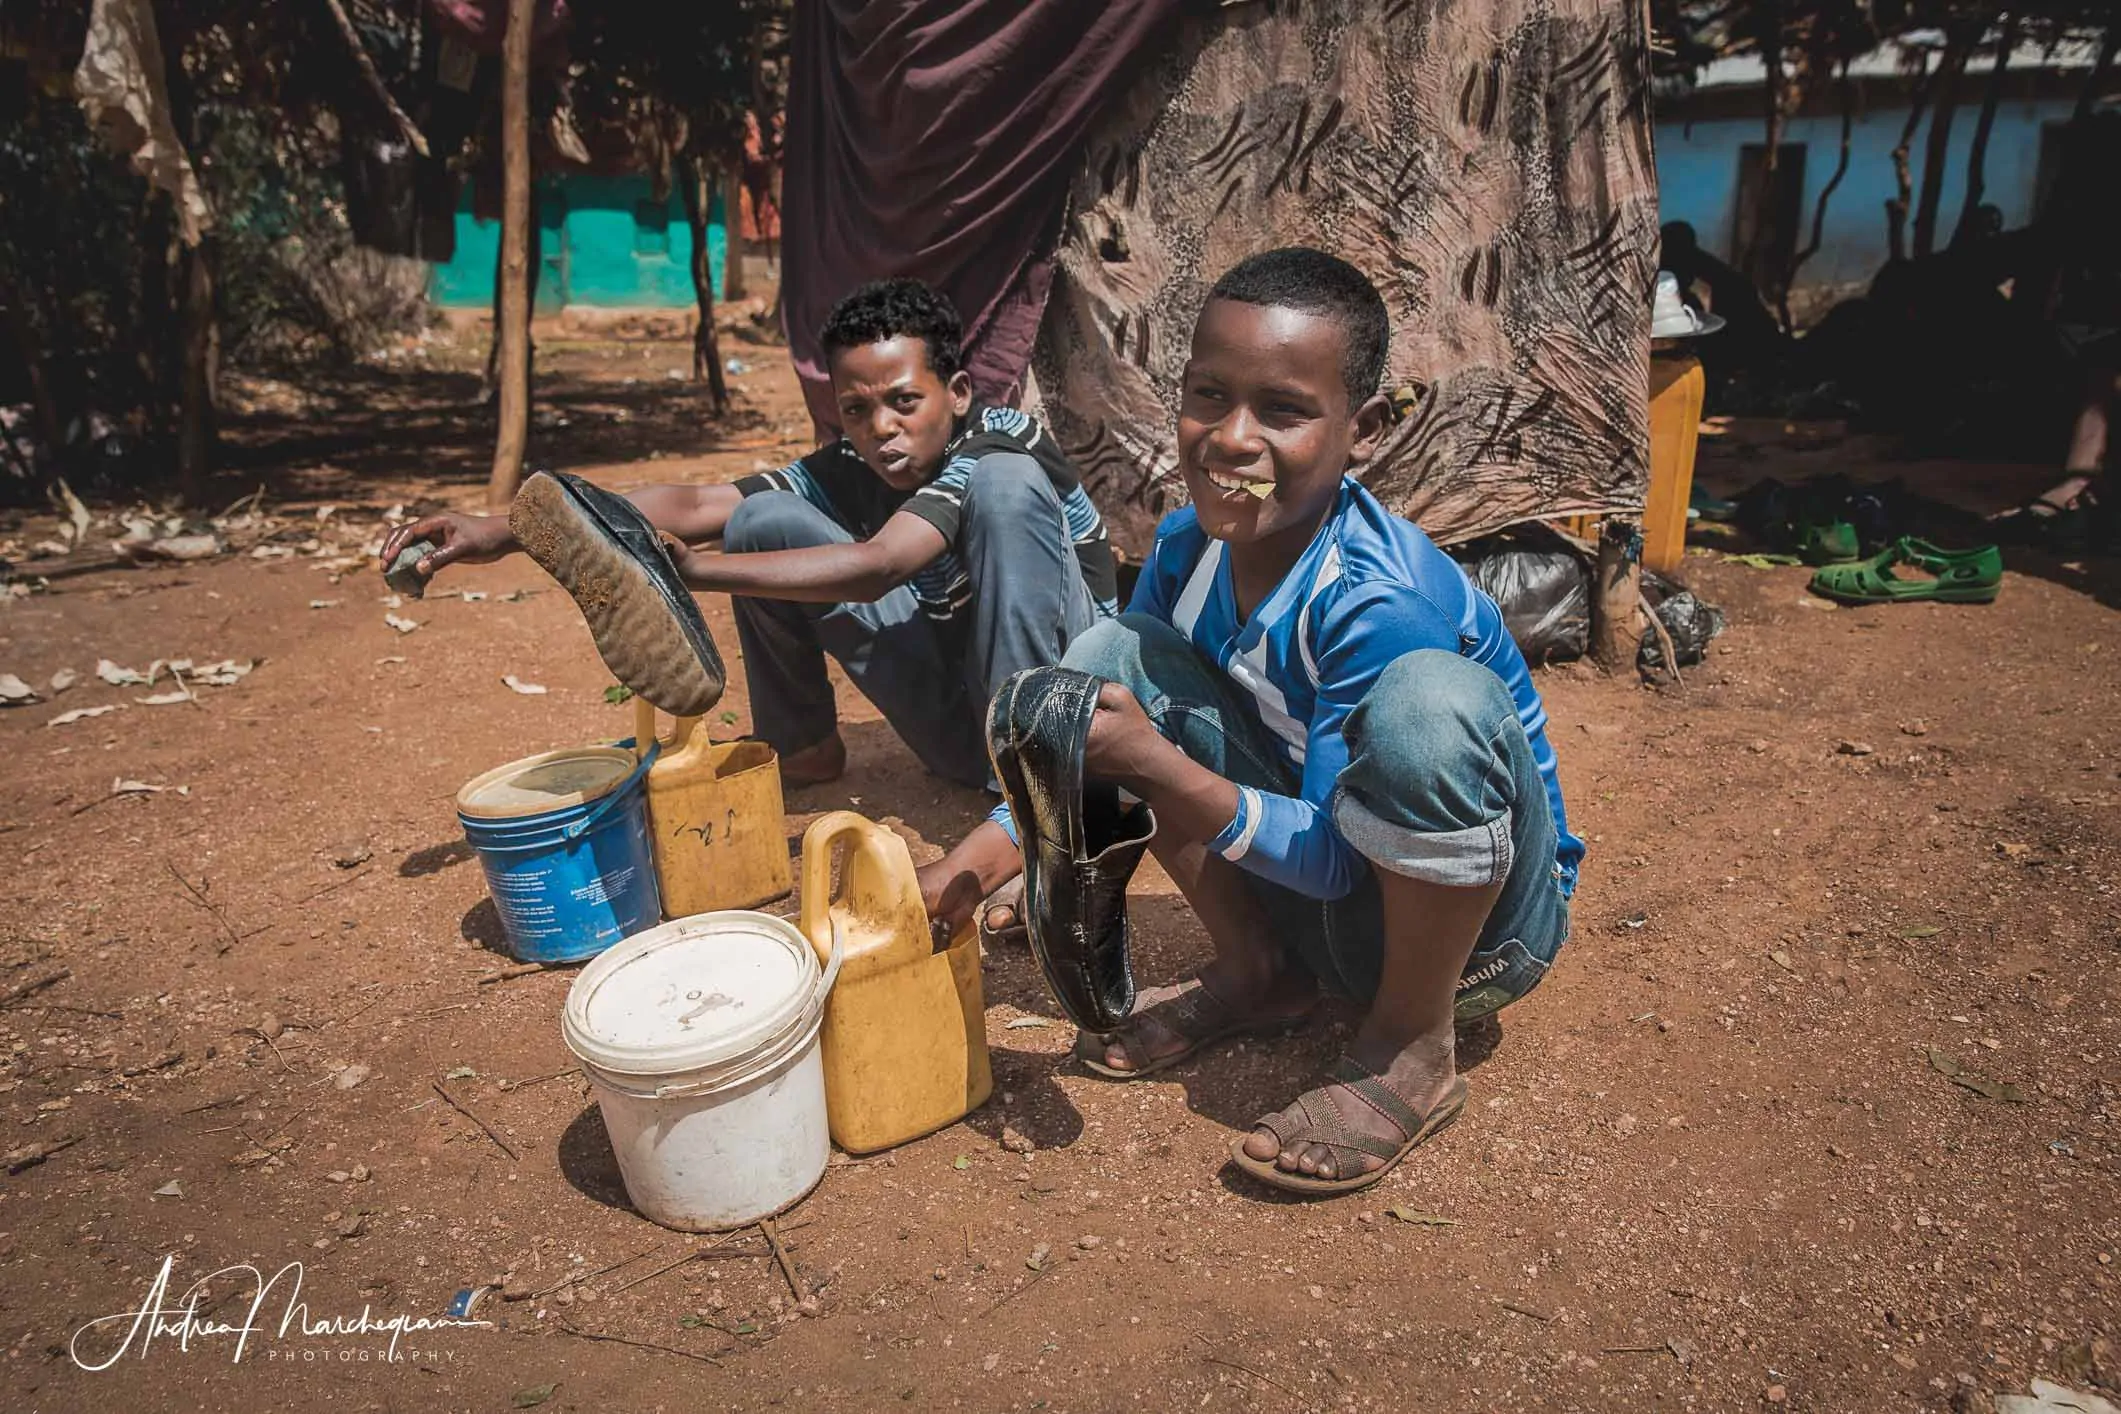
[
  {"x": 1370, "y": 588},
  {"x": 838, "y": 482}
]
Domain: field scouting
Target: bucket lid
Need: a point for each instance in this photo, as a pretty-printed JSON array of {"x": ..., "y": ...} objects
[
  {"x": 552, "y": 780},
  {"x": 691, "y": 994}
]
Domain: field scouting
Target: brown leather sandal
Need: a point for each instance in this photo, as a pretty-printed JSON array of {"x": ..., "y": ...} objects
[
  {"x": 1316, "y": 1118},
  {"x": 1197, "y": 1015}
]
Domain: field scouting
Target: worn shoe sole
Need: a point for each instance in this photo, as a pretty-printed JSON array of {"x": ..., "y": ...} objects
[{"x": 632, "y": 624}]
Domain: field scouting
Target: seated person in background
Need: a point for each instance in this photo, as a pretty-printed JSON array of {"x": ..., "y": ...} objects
[
  {"x": 1345, "y": 753},
  {"x": 1750, "y": 336},
  {"x": 935, "y": 549}
]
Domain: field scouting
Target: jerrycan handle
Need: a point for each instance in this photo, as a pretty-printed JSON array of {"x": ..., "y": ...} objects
[
  {"x": 862, "y": 838},
  {"x": 644, "y": 728}
]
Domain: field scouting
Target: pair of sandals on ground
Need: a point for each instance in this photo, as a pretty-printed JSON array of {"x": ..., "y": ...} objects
[
  {"x": 1171, "y": 1025},
  {"x": 1069, "y": 906}
]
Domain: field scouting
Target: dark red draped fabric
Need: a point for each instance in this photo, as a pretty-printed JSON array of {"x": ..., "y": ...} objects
[{"x": 937, "y": 138}]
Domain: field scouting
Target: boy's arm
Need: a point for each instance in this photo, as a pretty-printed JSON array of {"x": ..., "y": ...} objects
[
  {"x": 975, "y": 867},
  {"x": 691, "y": 513},
  {"x": 859, "y": 571},
  {"x": 1285, "y": 839}
]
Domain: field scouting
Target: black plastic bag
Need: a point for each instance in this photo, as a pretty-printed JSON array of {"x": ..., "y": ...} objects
[
  {"x": 1691, "y": 621},
  {"x": 1545, "y": 597}
]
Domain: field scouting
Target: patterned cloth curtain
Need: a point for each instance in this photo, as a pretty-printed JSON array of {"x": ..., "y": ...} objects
[{"x": 1486, "y": 162}]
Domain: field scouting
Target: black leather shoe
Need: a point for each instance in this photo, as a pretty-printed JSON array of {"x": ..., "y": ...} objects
[
  {"x": 607, "y": 556},
  {"x": 1080, "y": 843}
]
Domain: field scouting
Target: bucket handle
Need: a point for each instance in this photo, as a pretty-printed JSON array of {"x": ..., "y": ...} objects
[
  {"x": 794, "y": 1038},
  {"x": 613, "y": 796}
]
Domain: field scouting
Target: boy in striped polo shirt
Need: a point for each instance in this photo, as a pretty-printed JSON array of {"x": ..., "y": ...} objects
[
  {"x": 936, "y": 548},
  {"x": 1343, "y": 748}
]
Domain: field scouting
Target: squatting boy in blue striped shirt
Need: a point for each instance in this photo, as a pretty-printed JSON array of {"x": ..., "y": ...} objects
[
  {"x": 1345, "y": 753},
  {"x": 935, "y": 549}
]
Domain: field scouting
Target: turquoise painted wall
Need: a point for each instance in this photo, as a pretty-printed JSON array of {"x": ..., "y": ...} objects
[{"x": 604, "y": 243}]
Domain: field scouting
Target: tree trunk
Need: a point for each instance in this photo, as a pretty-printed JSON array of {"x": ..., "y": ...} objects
[
  {"x": 696, "y": 178},
  {"x": 732, "y": 229},
  {"x": 1841, "y": 169},
  {"x": 1959, "y": 44},
  {"x": 198, "y": 382},
  {"x": 1770, "y": 40},
  {"x": 1977, "y": 156},
  {"x": 198, "y": 326},
  {"x": 1904, "y": 185},
  {"x": 490, "y": 388},
  {"x": 512, "y": 336}
]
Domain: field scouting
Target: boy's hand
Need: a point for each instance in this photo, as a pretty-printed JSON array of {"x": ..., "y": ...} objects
[
  {"x": 1123, "y": 743},
  {"x": 952, "y": 887},
  {"x": 471, "y": 540},
  {"x": 949, "y": 892}
]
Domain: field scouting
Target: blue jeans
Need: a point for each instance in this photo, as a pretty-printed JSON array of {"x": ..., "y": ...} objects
[
  {"x": 931, "y": 680},
  {"x": 1440, "y": 786}
]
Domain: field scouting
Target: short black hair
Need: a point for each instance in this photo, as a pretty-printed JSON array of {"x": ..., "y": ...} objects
[
  {"x": 1313, "y": 282},
  {"x": 902, "y": 307}
]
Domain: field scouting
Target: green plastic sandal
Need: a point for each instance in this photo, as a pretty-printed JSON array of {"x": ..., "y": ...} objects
[
  {"x": 1828, "y": 543},
  {"x": 1961, "y": 576}
]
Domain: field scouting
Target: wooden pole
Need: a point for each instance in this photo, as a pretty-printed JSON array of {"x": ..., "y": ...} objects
[
  {"x": 1615, "y": 633},
  {"x": 514, "y": 333},
  {"x": 196, "y": 383}
]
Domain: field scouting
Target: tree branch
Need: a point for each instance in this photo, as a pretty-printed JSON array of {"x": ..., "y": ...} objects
[{"x": 406, "y": 127}]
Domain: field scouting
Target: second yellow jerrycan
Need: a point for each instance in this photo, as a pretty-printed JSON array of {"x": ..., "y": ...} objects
[
  {"x": 714, "y": 818},
  {"x": 905, "y": 1036}
]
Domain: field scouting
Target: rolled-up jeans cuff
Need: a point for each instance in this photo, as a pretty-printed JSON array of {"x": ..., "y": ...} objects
[{"x": 1472, "y": 858}]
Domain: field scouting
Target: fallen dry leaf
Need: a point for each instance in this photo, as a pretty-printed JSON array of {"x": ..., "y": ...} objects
[
  {"x": 64, "y": 679},
  {"x": 80, "y": 713},
  {"x": 165, "y": 699},
  {"x": 528, "y": 689},
  {"x": 15, "y": 692},
  {"x": 117, "y": 676},
  {"x": 121, "y": 786},
  {"x": 226, "y": 673},
  {"x": 401, "y": 624},
  {"x": 1420, "y": 1219}
]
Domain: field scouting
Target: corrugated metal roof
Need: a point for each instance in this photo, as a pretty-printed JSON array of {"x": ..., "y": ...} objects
[{"x": 1899, "y": 57}]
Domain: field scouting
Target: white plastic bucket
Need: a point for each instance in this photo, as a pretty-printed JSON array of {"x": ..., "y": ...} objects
[{"x": 700, "y": 1038}]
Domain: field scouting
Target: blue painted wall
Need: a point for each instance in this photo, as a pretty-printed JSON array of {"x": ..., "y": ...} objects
[
  {"x": 604, "y": 243},
  {"x": 1697, "y": 176}
]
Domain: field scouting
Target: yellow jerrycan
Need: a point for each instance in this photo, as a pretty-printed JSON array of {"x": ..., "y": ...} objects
[
  {"x": 714, "y": 818},
  {"x": 905, "y": 1037}
]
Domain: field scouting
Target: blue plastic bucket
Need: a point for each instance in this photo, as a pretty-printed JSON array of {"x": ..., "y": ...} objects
[{"x": 563, "y": 838}]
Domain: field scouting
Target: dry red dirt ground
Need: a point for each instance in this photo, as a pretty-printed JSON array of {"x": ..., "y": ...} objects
[{"x": 1716, "y": 1161}]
